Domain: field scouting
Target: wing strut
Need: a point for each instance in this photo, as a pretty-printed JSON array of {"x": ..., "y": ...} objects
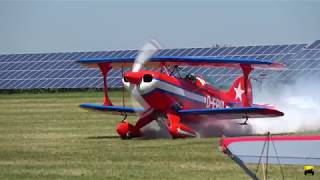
[
  {"x": 246, "y": 69},
  {"x": 245, "y": 122},
  {"x": 105, "y": 68}
]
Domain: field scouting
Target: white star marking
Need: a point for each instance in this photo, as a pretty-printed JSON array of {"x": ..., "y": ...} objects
[{"x": 239, "y": 92}]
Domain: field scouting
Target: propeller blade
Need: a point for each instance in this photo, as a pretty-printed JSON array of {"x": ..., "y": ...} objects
[{"x": 149, "y": 48}]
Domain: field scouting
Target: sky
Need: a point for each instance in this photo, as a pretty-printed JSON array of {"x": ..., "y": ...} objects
[{"x": 67, "y": 26}]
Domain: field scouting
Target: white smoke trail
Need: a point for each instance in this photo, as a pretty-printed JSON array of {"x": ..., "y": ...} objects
[
  {"x": 300, "y": 102},
  {"x": 203, "y": 128},
  {"x": 218, "y": 128},
  {"x": 156, "y": 130}
]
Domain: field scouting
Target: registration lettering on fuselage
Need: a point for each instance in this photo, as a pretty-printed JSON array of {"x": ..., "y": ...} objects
[{"x": 213, "y": 102}]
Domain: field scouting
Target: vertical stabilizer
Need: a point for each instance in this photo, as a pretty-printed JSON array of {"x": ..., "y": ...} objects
[{"x": 237, "y": 92}]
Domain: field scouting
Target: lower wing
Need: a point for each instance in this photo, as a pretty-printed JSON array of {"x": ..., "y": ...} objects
[
  {"x": 234, "y": 113},
  {"x": 112, "y": 109}
]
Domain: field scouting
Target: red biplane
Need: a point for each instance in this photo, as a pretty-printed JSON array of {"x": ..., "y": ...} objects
[{"x": 180, "y": 99}]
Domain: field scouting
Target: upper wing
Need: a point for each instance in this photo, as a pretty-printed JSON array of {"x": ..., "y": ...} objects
[
  {"x": 234, "y": 113},
  {"x": 281, "y": 149},
  {"x": 112, "y": 109},
  {"x": 157, "y": 61}
]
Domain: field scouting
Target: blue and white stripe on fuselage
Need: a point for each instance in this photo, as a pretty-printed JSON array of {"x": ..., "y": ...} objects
[
  {"x": 159, "y": 85},
  {"x": 147, "y": 88}
]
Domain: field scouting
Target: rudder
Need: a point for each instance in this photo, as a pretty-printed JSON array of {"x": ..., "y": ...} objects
[{"x": 237, "y": 92}]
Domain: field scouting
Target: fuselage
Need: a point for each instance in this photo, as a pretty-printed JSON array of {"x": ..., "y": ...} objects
[{"x": 162, "y": 92}]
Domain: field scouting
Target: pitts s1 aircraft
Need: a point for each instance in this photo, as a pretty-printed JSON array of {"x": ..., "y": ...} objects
[{"x": 180, "y": 99}]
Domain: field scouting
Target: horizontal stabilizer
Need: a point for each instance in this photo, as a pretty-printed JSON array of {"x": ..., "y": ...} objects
[
  {"x": 274, "y": 149},
  {"x": 112, "y": 109},
  {"x": 235, "y": 113},
  {"x": 156, "y": 61}
]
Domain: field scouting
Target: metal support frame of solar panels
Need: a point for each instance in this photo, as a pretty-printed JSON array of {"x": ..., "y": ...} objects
[{"x": 59, "y": 70}]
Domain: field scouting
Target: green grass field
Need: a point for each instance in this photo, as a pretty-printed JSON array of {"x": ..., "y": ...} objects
[{"x": 47, "y": 136}]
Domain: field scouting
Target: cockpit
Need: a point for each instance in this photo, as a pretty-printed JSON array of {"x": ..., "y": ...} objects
[{"x": 191, "y": 77}]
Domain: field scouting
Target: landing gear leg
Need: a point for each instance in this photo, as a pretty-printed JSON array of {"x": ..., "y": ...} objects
[
  {"x": 124, "y": 117},
  {"x": 245, "y": 122},
  {"x": 127, "y": 130}
]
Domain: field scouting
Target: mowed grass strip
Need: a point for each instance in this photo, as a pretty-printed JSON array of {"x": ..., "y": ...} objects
[{"x": 47, "y": 136}]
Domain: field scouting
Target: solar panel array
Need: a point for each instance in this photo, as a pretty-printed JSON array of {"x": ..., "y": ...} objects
[{"x": 59, "y": 70}]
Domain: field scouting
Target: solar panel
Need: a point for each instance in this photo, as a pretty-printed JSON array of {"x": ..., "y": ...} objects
[
  {"x": 209, "y": 52},
  {"x": 59, "y": 70},
  {"x": 195, "y": 52},
  {"x": 311, "y": 54},
  {"x": 315, "y": 45},
  {"x": 132, "y": 53},
  {"x": 176, "y": 52},
  {"x": 279, "y": 49}
]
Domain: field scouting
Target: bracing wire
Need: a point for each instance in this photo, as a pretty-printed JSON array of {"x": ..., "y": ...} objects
[
  {"x": 268, "y": 139},
  {"x": 261, "y": 154},
  {"x": 266, "y": 143},
  {"x": 277, "y": 157}
]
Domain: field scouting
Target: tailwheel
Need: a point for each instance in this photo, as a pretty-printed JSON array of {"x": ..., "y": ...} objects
[{"x": 127, "y": 130}]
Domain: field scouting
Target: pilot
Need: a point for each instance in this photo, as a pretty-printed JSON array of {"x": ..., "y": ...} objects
[{"x": 191, "y": 77}]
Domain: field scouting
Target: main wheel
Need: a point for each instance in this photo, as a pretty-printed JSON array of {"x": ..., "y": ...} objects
[{"x": 127, "y": 131}]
